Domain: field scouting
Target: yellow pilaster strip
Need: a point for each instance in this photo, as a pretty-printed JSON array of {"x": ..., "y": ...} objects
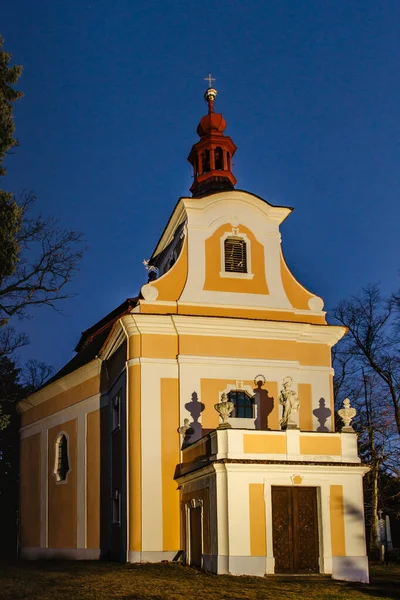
[
  {"x": 337, "y": 521},
  {"x": 135, "y": 457},
  {"x": 93, "y": 479},
  {"x": 273, "y": 417},
  {"x": 170, "y": 457},
  {"x": 258, "y": 545},
  {"x": 30, "y": 490},
  {"x": 305, "y": 397}
]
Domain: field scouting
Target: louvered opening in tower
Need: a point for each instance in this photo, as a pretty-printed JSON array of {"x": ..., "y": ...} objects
[{"x": 235, "y": 255}]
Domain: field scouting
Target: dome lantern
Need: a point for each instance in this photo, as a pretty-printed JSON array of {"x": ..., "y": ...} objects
[{"x": 211, "y": 156}]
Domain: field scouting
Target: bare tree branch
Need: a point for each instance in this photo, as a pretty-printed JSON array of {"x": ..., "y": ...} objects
[
  {"x": 372, "y": 338},
  {"x": 367, "y": 369},
  {"x": 48, "y": 257},
  {"x": 11, "y": 340},
  {"x": 35, "y": 374}
]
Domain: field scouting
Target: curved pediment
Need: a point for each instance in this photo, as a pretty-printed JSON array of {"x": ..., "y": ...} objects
[{"x": 231, "y": 263}]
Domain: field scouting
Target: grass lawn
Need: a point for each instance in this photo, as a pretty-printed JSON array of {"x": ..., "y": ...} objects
[{"x": 59, "y": 580}]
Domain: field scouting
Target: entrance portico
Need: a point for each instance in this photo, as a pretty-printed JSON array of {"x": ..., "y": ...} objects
[{"x": 277, "y": 513}]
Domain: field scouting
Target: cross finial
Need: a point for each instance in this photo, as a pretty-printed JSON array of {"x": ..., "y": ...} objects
[
  {"x": 210, "y": 93},
  {"x": 210, "y": 80}
]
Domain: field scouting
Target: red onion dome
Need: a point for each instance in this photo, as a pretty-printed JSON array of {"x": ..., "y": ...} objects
[{"x": 211, "y": 122}]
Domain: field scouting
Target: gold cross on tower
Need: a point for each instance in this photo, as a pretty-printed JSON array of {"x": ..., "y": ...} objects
[{"x": 209, "y": 79}]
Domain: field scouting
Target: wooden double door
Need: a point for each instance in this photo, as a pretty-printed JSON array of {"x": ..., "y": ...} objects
[{"x": 295, "y": 529}]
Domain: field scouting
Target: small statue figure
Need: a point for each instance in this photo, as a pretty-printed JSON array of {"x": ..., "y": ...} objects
[
  {"x": 183, "y": 429},
  {"x": 347, "y": 414},
  {"x": 151, "y": 269},
  {"x": 224, "y": 408},
  {"x": 290, "y": 402}
]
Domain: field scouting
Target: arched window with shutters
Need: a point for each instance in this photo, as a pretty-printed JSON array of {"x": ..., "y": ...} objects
[
  {"x": 235, "y": 250},
  {"x": 236, "y": 255},
  {"x": 61, "y": 463}
]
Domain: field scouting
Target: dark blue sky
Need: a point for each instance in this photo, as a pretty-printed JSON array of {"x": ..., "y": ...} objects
[{"x": 113, "y": 94}]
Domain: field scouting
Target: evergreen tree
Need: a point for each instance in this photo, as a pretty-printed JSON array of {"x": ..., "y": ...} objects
[
  {"x": 11, "y": 391},
  {"x": 10, "y": 212}
]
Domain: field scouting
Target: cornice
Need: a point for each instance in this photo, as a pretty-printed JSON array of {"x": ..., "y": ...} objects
[
  {"x": 323, "y": 467},
  {"x": 114, "y": 341},
  {"x": 284, "y": 310},
  {"x": 91, "y": 369},
  {"x": 277, "y": 330},
  {"x": 137, "y": 323},
  {"x": 275, "y": 213},
  {"x": 226, "y": 465},
  {"x": 151, "y": 361},
  {"x": 203, "y": 471},
  {"x": 218, "y": 361}
]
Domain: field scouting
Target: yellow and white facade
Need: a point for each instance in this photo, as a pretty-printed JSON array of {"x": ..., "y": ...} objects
[{"x": 132, "y": 489}]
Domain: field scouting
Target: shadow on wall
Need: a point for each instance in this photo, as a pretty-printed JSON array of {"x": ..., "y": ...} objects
[
  {"x": 322, "y": 413},
  {"x": 349, "y": 566},
  {"x": 265, "y": 405},
  {"x": 195, "y": 431}
]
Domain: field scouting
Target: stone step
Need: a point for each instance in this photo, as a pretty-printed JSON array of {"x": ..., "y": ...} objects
[{"x": 299, "y": 577}]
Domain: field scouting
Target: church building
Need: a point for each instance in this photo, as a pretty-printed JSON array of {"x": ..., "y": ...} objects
[{"x": 196, "y": 420}]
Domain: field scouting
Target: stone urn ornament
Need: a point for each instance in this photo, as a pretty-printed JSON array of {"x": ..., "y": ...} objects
[
  {"x": 347, "y": 414},
  {"x": 224, "y": 408}
]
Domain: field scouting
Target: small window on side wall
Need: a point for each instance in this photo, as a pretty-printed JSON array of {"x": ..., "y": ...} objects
[
  {"x": 116, "y": 403},
  {"x": 61, "y": 467},
  {"x": 116, "y": 507},
  {"x": 235, "y": 250},
  {"x": 243, "y": 404}
]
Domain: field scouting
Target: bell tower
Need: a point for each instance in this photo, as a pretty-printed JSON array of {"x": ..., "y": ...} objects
[{"x": 211, "y": 156}]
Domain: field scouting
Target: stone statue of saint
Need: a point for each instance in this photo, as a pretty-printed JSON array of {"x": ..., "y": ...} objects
[{"x": 290, "y": 402}]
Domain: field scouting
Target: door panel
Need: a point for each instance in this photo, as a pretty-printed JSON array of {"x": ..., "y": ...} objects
[
  {"x": 195, "y": 536},
  {"x": 295, "y": 530},
  {"x": 282, "y": 529},
  {"x": 306, "y": 525}
]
